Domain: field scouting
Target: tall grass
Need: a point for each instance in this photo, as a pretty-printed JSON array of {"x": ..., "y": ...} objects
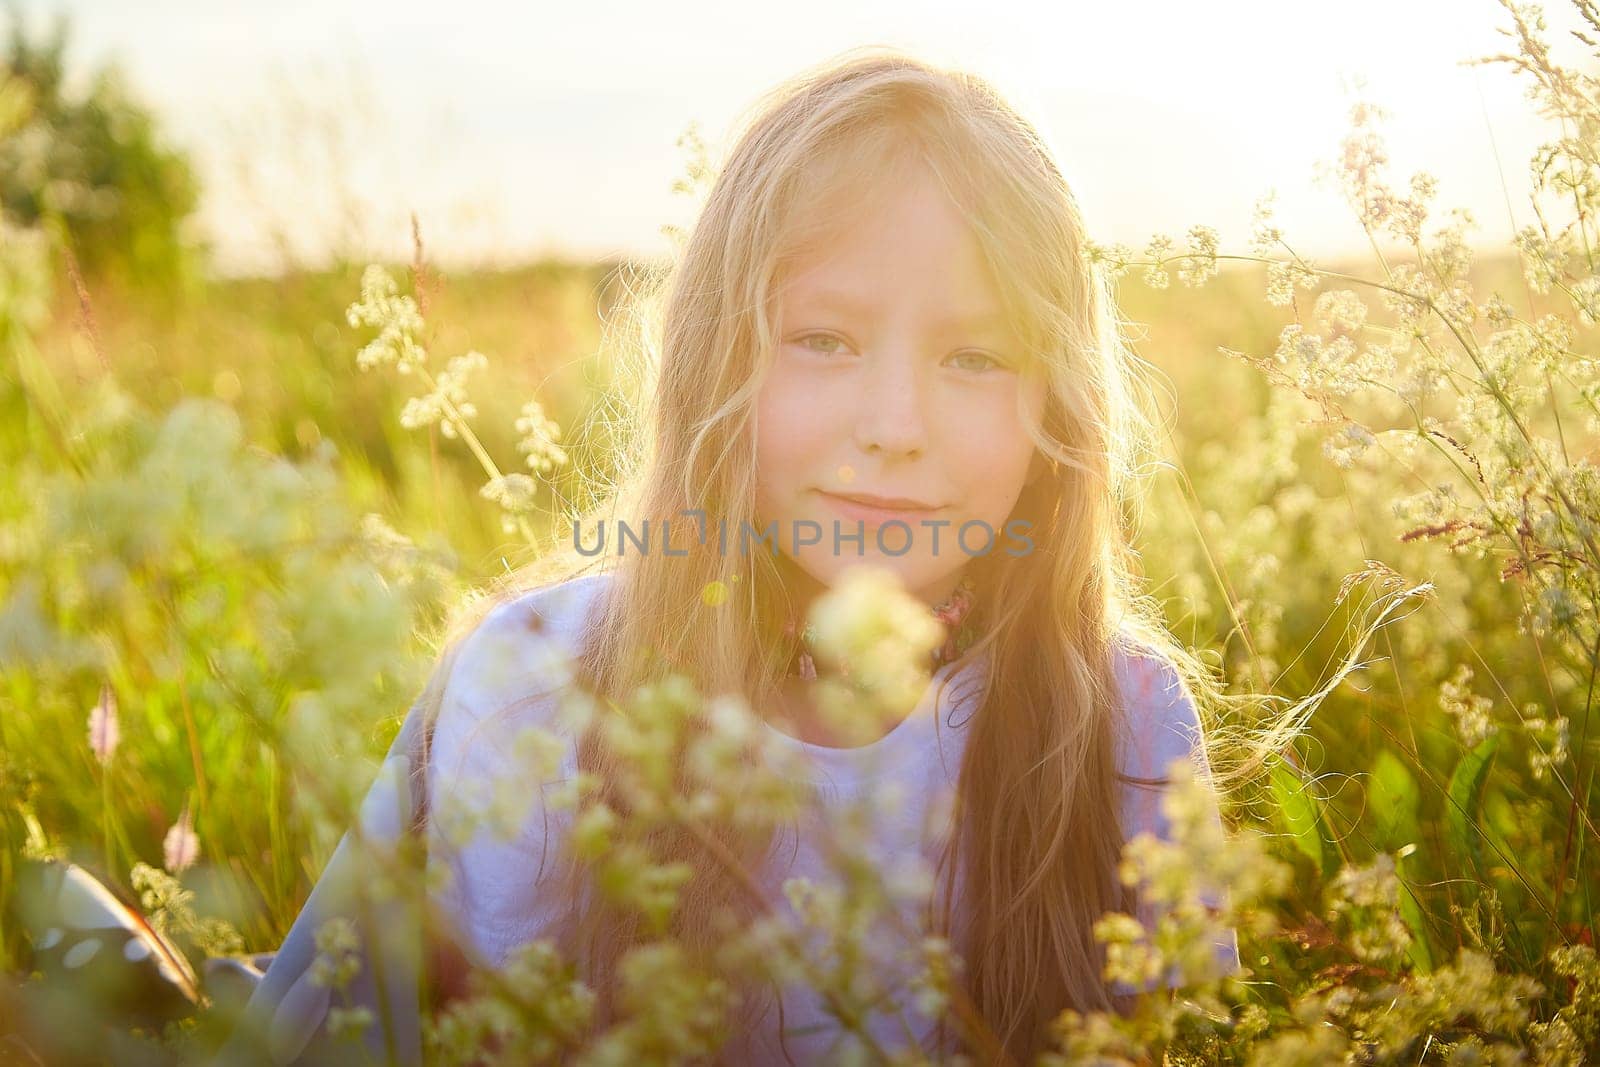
[{"x": 1381, "y": 519}]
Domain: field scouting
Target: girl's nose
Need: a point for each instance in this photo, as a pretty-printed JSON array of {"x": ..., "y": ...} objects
[{"x": 890, "y": 408}]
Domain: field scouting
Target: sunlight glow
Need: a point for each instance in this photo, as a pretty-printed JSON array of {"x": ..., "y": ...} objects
[{"x": 514, "y": 131}]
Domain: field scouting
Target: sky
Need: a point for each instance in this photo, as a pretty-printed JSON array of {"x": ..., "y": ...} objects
[{"x": 515, "y": 131}]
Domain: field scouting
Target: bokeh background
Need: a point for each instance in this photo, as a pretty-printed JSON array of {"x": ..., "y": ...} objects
[{"x": 226, "y": 551}]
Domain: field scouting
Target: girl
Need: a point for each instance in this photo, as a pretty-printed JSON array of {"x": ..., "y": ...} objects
[{"x": 884, "y": 322}]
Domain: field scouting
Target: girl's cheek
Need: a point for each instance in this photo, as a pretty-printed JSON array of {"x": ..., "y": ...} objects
[
  {"x": 986, "y": 420},
  {"x": 791, "y": 435},
  {"x": 989, "y": 442},
  {"x": 802, "y": 384},
  {"x": 809, "y": 406}
]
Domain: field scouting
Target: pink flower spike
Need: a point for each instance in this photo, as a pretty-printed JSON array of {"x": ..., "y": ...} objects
[
  {"x": 104, "y": 729},
  {"x": 181, "y": 847}
]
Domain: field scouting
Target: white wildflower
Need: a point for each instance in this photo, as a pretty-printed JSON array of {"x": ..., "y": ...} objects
[
  {"x": 1155, "y": 275},
  {"x": 1585, "y": 293},
  {"x": 1113, "y": 260},
  {"x": 1200, "y": 264},
  {"x": 1469, "y": 710},
  {"x": 516, "y": 493},
  {"x": 1341, "y": 311},
  {"x": 337, "y": 960},
  {"x": 931, "y": 985},
  {"x": 881, "y": 637},
  {"x": 397, "y": 319},
  {"x": 446, "y": 403},
  {"x": 1552, "y": 742},
  {"x": 1348, "y": 445},
  {"x": 1264, "y": 236},
  {"x": 1372, "y": 891},
  {"x": 539, "y": 436}
]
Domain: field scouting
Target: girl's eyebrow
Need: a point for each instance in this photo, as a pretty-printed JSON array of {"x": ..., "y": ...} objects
[
  {"x": 978, "y": 321},
  {"x": 815, "y": 300},
  {"x": 846, "y": 303}
]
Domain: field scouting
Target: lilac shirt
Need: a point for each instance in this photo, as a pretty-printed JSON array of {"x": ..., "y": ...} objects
[{"x": 499, "y": 887}]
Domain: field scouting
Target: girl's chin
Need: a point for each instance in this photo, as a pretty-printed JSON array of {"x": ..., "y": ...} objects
[{"x": 913, "y": 573}]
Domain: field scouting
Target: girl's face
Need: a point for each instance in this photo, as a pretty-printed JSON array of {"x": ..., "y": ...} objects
[{"x": 896, "y": 376}]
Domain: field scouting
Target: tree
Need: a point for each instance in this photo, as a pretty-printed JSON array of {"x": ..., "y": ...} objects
[{"x": 93, "y": 168}]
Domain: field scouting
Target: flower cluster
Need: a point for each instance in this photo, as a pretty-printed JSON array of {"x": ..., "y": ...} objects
[
  {"x": 1193, "y": 887},
  {"x": 1469, "y": 711},
  {"x": 1284, "y": 276},
  {"x": 1367, "y": 900},
  {"x": 1423, "y": 899},
  {"x": 515, "y": 493},
  {"x": 397, "y": 320},
  {"x": 539, "y": 434},
  {"x": 531, "y": 1012},
  {"x": 446, "y": 403},
  {"x": 881, "y": 639},
  {"x": 170, "y": 909},
  {"x": 1197, "y": 262}
]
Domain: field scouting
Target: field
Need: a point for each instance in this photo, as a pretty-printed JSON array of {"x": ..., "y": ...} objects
[{"x": 226, "y": 566}]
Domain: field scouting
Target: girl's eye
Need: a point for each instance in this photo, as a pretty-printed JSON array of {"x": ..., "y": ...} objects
[
  {"x": 808, "y": 342},
  {"x": 987, "y": 359},
  {"x": 827, "y": 344}
]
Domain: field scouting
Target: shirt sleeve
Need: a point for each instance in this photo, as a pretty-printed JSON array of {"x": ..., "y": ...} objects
[
  {"x": 366, "y": 907},
  {"x": 376, "y": 905},
  {"x": 1163, "y": 725},
  {"x": 500, "y": 747}
]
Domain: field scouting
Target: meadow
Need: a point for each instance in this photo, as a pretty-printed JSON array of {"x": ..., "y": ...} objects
[{"x": 229, "y": 551}]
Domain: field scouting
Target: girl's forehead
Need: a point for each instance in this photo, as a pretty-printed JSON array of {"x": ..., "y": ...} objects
[
  {"x": 852, "y": 274},
  {"x": 846, "y": 235},
  {"x": 834, "y": 201}
]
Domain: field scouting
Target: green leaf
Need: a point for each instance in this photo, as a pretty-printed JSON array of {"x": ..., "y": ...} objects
[
  {"x": 1420, "y": 952},
  {"x": 1392, "y": 802},
  {"x": 1466, "y": 799},
  {"x": 1301, "y": 813}
]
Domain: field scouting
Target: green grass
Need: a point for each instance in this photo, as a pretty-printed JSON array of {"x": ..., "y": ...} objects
[{"x": 210, "y": 563}]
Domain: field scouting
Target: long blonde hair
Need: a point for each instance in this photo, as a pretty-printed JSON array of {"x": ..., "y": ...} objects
[{"x": 1038, "y": 791}]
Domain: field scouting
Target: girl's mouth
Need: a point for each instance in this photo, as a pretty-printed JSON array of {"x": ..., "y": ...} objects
[{"x": 875, "y": 514}]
